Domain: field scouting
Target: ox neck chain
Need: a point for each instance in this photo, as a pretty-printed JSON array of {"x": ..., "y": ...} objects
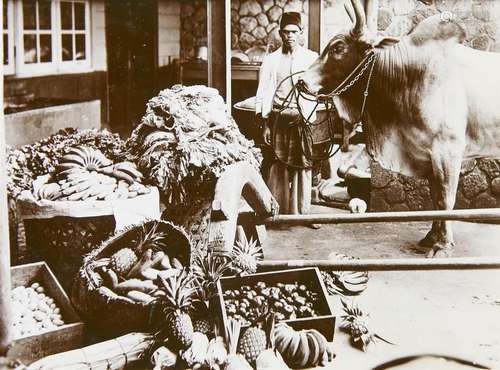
[{"x": 349, "y": 81}]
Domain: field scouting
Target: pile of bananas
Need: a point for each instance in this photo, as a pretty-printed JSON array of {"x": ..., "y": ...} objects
[{"x": 85, "y": 173}]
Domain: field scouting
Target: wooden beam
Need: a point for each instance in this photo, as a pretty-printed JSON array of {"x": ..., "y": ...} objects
[
  {"x": 486, "y": 214},
  {"x": 219, "y": 47},
  {"x": 400, "y": 264},
  {"x": 5, "y": 284},
  {"x": 314, "y": 31}
]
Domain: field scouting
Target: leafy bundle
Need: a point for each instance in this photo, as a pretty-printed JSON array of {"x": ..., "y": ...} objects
[
  {"x": 30, "y": 161},
  {"x": 185, "y": 140}
]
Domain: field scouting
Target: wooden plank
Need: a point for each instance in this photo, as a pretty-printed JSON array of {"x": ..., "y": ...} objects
[
  {"x": 219, "y": 39},
  {"x": 396, "y": 264},
  {"x": 485, "y": 214},
  {"x": 63, "y": 338},
  {"x": 5, "y": 283},
  {"x": 314, "y": 31}
]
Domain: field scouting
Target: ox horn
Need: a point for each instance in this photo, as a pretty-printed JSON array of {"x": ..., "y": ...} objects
[
  {"x": 350, "y": 13},
  {"x": 360, "y": 23}
]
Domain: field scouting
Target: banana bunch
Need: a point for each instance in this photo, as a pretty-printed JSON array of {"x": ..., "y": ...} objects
[
  {"x": 346, "y": 283},
  {"x": 84, "y": 158},
  {"x": 84, "y": 173},
  {"x": 126, "y": 171},
  {"x": 84, "y": 185},
  {"x": 50, "y": 191}
]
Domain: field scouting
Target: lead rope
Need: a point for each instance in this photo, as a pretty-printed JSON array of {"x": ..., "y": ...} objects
[{"x": 305, "y": 125}]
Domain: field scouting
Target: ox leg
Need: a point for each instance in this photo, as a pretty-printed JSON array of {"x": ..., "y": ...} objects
[
  {"x": 444, "y": 183},
  {"x": 432, "y": 236}
]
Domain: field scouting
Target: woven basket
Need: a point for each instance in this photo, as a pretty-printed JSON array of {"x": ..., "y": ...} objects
[
  {"x": 63, "y": 241},
  {"x": 112, "y": 314},
  {"x": 195, "y": 219}
]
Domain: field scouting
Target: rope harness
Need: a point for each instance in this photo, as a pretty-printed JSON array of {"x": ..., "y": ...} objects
[{"x": 305, "y": 125}]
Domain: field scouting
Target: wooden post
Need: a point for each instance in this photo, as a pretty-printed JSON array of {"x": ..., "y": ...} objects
[
  {"x": 371, "y": 11},
  {"x": 5, "y": 285},
  {"x": 219, "y": 46},
  {"x": 314, "y": 30}
]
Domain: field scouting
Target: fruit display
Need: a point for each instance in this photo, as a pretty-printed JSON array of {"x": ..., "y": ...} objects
[
  {"x": 25, "y": 164},
  {"x": 85, "y": 173},
  {"x": 301, "y": 349},
  {"x": 289, "y": 301},
  {"x": 34, "y": 311}
]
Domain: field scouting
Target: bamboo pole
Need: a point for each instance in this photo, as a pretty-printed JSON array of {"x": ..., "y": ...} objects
[
  {"x": 486, "y": 214},
  {"x": 402, "y": 264},
  {"x": 5, "y": 285}
]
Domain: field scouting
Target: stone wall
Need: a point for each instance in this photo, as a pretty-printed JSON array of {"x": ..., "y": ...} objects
[
  {"x": 480, "y": 18},
  {"x": 479, "y": 187},
  {"x": 193, "y": 27},
  {"x": 254, "y": 23}
]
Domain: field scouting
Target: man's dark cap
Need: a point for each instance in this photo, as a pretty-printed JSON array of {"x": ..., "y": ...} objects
[{"x": 290, "y": 18}]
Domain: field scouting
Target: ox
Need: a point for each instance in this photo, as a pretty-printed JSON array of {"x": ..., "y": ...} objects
[{"x": 432, "y": 103}]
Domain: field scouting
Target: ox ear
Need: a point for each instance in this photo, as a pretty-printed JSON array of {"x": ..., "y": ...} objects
[{"x": 385, "y": 42}]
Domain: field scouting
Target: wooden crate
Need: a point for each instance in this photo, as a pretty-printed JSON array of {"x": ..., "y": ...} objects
[
  {"x": 66, "y": 337},
  {"x": 324, "y": 322}
]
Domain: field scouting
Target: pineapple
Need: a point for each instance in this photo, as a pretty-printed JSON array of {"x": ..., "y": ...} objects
[
  {"x": 254, "y": 340},
  {"x": 252, "y": 343},
  {"x": 176, "y": 304},
  {"x": 355, "y": 322},
  {"x": 203, "y": 325},
  {"x": 202, "y": 321},
  {"x": 124, "y": 259},
  {"x": 245, "y": 256},
  {"x": 207, "y": 271}
]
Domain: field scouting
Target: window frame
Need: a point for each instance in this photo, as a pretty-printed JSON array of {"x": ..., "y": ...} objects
[
  {"x": 57, "y": 65},
  {"x": 71, "y": 65},
  {"x": 9, "y": 69}
]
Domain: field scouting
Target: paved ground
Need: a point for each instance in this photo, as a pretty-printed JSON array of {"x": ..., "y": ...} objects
[{"x": 444, "y": 312}]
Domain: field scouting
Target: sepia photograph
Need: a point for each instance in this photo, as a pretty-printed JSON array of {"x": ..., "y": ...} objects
[{"x": 250, "y": 184}]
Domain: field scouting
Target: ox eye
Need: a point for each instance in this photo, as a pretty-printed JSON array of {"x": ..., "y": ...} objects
[{"x": 338, "y": 48}]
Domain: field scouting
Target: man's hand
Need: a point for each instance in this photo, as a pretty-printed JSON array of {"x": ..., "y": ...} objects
[
  {"x": 266, "y": 134},
  {"x": 266, "y": 131}
]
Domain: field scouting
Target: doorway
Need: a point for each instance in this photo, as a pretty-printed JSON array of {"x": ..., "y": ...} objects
[{"x": 132, "y": 44}]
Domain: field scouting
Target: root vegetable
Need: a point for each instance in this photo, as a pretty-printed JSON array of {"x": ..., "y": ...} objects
[
  {"x": 139, "y": 297},
  {"x": 176, "y": 263},
  {"x": 150, "y": 273},
  {"x": 166, "y": 274},
  {"x": 111, "y": 279},
  {"x": 143, "y": 263},
  {"x": 165, "y": 263},
  {"x": 157, "y": 257},
  {"x": 144, "y": 286}
]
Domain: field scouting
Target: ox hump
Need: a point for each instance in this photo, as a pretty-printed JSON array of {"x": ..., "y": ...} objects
[{"x": 437, "y": 28}]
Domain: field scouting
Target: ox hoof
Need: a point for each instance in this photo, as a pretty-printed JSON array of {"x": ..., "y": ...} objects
[
  {"x": 440, "y": 252},
  {"x": 429, "y": 240}
]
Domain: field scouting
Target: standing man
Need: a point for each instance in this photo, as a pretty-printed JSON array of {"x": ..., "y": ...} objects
[{"x": 290, "y": 176}]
